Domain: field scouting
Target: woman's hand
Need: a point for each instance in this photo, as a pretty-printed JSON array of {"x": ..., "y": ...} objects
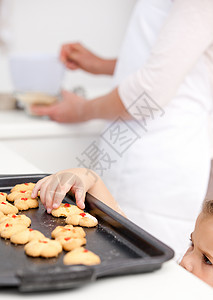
[
  {"x": 70, "y": 110},
  {"x": 75, "y": 56},
  {"x": 74, "y": 109},
  {"x": 53, "y": 188}
]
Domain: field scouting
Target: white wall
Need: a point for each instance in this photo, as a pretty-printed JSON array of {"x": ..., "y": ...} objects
[{"x": 43, "y": 25}]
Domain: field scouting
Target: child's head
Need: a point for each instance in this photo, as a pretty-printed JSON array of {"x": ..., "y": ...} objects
[{"x": 198, "y": 259}]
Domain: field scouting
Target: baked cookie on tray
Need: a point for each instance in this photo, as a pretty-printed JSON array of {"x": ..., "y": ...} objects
[
  {"x": 69, "y": 243},
  {"x": 23, "y": 187},
  {"x": 18, "y": 194},
  {"x": 8, "y": 208},
  {"x": 66, "y": 209},
  {"x": 68, "y": 231},
  {"x": 2, "y": 215},
  {"x": 25, "y": 236},
  {"x": 10, "y": 229},
  {"x": 83, "y": 219},
  {"x": 43, "y": 247},
  {"x": 16, "y": 219},
  {"x": 25, "y": 203},
  {"x": 81, "y": 256}
]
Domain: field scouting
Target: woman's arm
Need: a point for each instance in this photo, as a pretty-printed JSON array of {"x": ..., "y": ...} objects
[
  {"x": 100, "y": 191},
  {"x": 76, "y": 56},
  {"x": 185, "y": 36},
  {"x": 109, "y": 107}
]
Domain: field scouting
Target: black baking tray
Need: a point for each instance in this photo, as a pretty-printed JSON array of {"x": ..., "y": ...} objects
[{"x": 124, "y": 248}]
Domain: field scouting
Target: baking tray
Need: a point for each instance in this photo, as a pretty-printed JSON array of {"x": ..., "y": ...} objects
[{"x": 123, "y": 247}]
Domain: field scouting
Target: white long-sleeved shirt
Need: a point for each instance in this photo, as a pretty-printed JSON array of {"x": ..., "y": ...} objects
[{"x": 186, "y": 35}]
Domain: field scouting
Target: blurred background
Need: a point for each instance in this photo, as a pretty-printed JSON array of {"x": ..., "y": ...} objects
[
  {"x": 44, "y": 25},
  {"x": 39, "y": 28}
]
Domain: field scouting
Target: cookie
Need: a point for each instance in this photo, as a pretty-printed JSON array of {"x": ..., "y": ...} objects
[
  {"x": 16, "y": 219},
  {"x": 3, "y": 196},
  {"x": 66, "y": 209},
  {"x": 8, "y": 208},
  {"x": 43, "y": 247},
  {"x": 81, "y": 256},
  {"x": 26, "y": 236},
  {"x": 18, "y": 194},
  {"x": 23, "y": 187},
  {"x": 68, "y": 231},
  {"x": 25, "y": 203},
  {"x": 69, "y": 243},
  {"x": 8, "y": 229},
  {"x": 2, "y": 215},
  {"x": 82, "y": 219},
  {"x": 3, "y": 218}
]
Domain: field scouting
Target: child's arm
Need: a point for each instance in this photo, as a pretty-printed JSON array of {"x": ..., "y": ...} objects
[
  {"x": 53, "y": 188},
  {"x": 100, "y": 191}
]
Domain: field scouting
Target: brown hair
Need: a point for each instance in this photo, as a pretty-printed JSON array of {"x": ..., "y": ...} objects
[{"x": 207, "y": 206}]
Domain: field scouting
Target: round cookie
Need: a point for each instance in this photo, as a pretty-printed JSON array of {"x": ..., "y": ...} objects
[
  {"x": 18, "y": 194},
  {"x": 8, "y": 208},
  {"x": 66, "y": 209},
  {"x": 43, "y": 247},
  {"x": 16, "y": 219},
  {"x": 82, "y": 219},
  {"x": 68, "y": 231},
  {"x": 10, "y": 229},
  {"x": 69, "y": 243},
  {"x": 2, "y": 215},
  {"x": 23, "y": 186},
  {"x": 25, "y": 203},
  {"x": 26, "y": 236},
  {"x": 81, "y": 256}
]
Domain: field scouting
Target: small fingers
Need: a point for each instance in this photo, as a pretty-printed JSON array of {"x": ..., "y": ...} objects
[
  {"x": 43, "y": 193},
  {"x": 50, "y": 190},
  {"x": 79, "y": 191},
  {"x": 47, "y": 189},
  {"x": 80, "y": 198},
  {"x": 48, "y": 201},
  {"x": 58, "y": 198},
  {"x": 38, "y": 186},
  {"x": 53, "y": 189},
  {"x": 65, "y": 182}
]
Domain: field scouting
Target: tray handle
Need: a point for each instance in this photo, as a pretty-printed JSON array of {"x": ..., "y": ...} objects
[{"x": 54, "y": 278}]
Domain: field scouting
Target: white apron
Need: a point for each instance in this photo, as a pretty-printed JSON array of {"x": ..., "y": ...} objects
[{"x": 161, "y": 180}]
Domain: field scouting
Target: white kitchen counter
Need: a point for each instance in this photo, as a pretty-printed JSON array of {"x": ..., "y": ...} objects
[
  {"x": 17, "y": 124},
  {"x": 12, "y": 163},
  {"x": 170, "y": 282}
]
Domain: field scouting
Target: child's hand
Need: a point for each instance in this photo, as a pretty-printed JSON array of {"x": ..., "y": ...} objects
[{"x": 53, "y": 188}]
